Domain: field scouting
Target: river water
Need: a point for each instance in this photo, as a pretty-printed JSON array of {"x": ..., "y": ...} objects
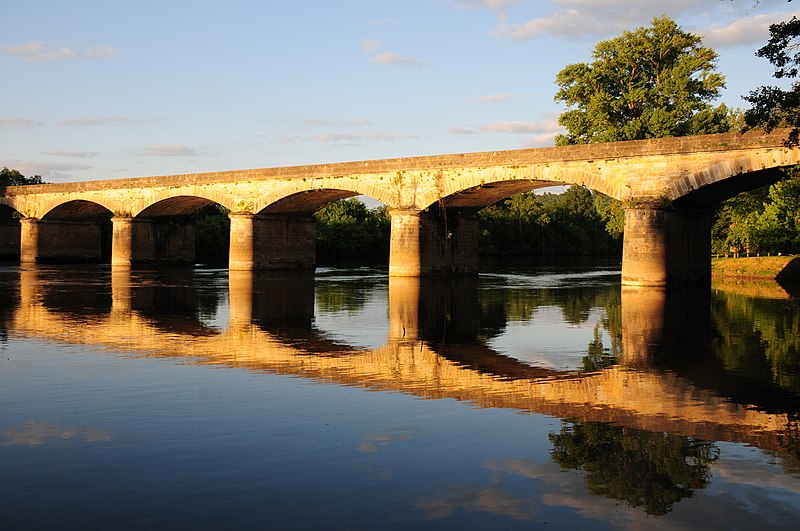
[{"x": 529, "y": 397}]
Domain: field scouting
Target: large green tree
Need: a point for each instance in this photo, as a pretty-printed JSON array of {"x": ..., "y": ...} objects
[
  {"x": 774, "y": 106},
  {"x": 656, "y": 81}
]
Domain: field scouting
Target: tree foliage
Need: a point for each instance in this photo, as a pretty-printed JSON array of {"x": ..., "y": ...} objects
[
  {"x": 652, "y": 82},
  {"x": 774, "y": 106},
  {"x": 766, "y": 220},
  {"x": 641, "y": 468},
  {"x": 347, "y": 228},
  {"x": 578, "y": 222},
  {"x": 212, "y": 233},
  {"x": 15, "y": 178}
]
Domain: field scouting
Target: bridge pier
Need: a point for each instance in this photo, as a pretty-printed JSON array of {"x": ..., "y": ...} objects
[
  {"x": 121, "y": 242},
  {"x": 138, "y": 241},
  {"x": 433, "y": 242},
  {"x": 274, "y": 242},
  {"x": 666, "y": 245},
  {"x": 28, "y": 240},
  {"x": 59, "y": 241}
]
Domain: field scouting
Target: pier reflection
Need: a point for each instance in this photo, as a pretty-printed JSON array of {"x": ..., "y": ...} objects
[
  {"x": 660, "y": 326},
  {"x": 667, "y": 379}
]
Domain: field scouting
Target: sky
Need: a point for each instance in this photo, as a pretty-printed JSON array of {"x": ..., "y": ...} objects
[{"x": 105, "y": 90}]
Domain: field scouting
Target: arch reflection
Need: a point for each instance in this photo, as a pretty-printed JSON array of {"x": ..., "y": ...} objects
[{"x": 432, "y": 348}]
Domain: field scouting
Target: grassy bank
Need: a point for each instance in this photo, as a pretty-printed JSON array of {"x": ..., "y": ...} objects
[{"x": 763, "y": 267}]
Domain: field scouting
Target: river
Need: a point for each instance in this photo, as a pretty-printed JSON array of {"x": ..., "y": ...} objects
[{"x": 527, "y": 397}]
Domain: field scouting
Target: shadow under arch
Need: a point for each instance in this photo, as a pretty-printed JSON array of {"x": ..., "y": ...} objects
[
  {"x": 181, "y": 230},
  {"x": 74, "y": 231},
  {"x": 282, "y": 235},
  {"x": 306, "y": 202},
  {"x": 9, "y": 233},
  {"x": 709, "y": 196},
  {"x": 484, "y": 195}
]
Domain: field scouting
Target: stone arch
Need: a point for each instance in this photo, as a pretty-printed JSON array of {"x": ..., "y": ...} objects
[
  {"x": 180, "y": 229},
  {"x": 291, "y": 195},
  {"x": 709, "y": 195},
  {"x": 78, "y": 230},
  {"x": 54, "y": 206},
  {"x": 725, "y": 179},
  {"x": 306, "y": 202},
  {"x": 481, "y": 187},
  {"x": 77, "y": 209},
  {"x": 176, "y": 205}
]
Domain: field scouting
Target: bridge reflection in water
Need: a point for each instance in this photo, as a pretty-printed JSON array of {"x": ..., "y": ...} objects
[{"x": 662, "y": 383}]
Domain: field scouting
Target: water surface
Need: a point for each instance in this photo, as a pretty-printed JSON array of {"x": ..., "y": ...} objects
[{"x": 524, "y": 398}]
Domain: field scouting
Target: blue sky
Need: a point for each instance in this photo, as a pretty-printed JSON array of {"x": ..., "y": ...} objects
[{"x": 103, "y": 90}]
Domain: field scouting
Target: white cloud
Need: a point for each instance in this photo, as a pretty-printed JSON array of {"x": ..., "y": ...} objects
[
  {"x": 37, "y": 52},
  {"x": 744, "y": 31},
  {"x": 322, "y": 122},
  {"x": 512, "y": 127},
  {"x": 542, "y": 133},
  {"x": 391, "y": 58},
  {"x": 491, "y": 98},
  {"x": 371, "y": 45},
  {"x": 457, "y": 130},
  {"x": 168, "y": 150},
  {"x": 74, "y": 154},
  {"x": 500, "y": 7},
  {"x": 355, "y": 138},
  {"x": 598, "y": 19},
  {"x": 88, "y": 121},
  {"x": 18, "y": 123}
]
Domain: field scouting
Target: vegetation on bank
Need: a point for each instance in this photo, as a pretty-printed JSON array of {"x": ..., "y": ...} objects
[
  {"x": 348, "y": 230},
  {"x": 766, "y": 220},
  {"x": 758, "y": 267}
]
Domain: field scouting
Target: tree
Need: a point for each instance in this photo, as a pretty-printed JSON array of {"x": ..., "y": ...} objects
[
  {"x": 641, "y": 468},
  {"x": 212, "y": 230},
  {"x": 774, "y": 106},
  {"x": 15, "y": 178},
  {"x": 347, "y": 228},
  {"x": 652, "y": 82}
]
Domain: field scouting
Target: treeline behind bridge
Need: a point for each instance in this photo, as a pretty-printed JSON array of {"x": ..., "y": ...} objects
[{"x": 575, "y": 222}]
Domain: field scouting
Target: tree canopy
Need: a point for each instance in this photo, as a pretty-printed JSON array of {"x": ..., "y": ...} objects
[
  {"x": 652, "y": 82},
  {"x": 347, "y": 228},
  {"x": 773, "y": 106},
  {"x": 15, "y": 178}
]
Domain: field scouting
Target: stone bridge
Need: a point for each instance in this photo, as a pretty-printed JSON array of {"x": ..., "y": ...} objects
[{"x": 668, "y": 188}]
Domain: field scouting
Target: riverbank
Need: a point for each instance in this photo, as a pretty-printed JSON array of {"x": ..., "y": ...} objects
[{"x": 781, "y": 268}]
